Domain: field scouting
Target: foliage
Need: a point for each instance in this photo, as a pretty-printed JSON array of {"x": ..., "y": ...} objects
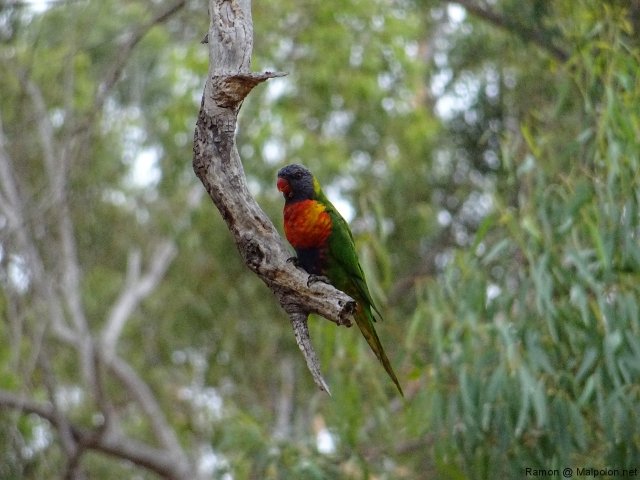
[
  {"x": 492, "y": 189},
  {"x": 546, "y": 362}
]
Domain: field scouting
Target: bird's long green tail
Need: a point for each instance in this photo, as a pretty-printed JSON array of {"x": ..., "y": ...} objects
[{"x": 365, "y": 323}]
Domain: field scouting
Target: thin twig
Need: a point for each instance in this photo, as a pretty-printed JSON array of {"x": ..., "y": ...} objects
[
  {"x": 115, "y": 70},
  {"x": 533, "y": 35},
  {"x": 135, "y": 290}
]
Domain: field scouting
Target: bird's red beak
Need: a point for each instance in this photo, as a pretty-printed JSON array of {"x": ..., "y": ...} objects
[{"x": 283, "y": 186}]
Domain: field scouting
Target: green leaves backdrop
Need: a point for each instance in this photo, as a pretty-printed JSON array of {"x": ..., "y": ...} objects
[{"x": 487, "y": 159}]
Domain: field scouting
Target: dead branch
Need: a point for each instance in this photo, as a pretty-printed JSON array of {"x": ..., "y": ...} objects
[{"x": 217, "y": 164}]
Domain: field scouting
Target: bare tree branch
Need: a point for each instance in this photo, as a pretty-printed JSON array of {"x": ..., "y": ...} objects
[
  {"x": 115, "y": 70},
  {"x": 57, "y": 292},
  {"x": 284, "y": 407},
  {"x": 79, "y": 336},
  {"x": 108, "y": 442},
  {"x": 56, "y": 168},
  {"x": 528, "y": 34},
  {"x": 135, "y": 290},
  {"x": 52, "y": 162},
  {"x": 10, "y": 200},
  {"x": 69, "y": 446},
  {"x": 173, "y": 451},
  {"x": 14, "y": 210},
  {"x": 301, "y": 331},
  {"x": 147, "y": 400},
  {"x": 217, "y": 164}
]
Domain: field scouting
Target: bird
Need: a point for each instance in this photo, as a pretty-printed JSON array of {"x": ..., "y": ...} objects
[{"x": 325, "y": 249}]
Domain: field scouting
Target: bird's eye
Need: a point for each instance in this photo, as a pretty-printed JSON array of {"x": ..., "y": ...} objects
[{"x": 297, "y": 175}]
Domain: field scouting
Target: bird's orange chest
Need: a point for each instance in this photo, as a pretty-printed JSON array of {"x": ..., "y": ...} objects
[{"x": 306, "y": 224}]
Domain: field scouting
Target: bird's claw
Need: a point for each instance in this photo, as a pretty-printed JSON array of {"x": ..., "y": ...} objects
[{"x": 317, "y": 278}]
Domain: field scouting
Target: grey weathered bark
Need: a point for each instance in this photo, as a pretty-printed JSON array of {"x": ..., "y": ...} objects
[{"x": 217, "y": 164}]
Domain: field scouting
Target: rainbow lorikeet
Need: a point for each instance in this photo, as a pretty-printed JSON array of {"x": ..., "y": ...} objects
[{"x": 326, "y": 249}]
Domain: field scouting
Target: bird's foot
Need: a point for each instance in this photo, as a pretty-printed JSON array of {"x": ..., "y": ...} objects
[{"x": 317, "y": 278}]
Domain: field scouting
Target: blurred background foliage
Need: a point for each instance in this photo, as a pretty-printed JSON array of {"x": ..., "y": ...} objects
[{"x": 487, "y": 159}]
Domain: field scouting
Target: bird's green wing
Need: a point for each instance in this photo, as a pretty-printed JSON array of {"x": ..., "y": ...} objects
[
  {"x": 346, "y": 274},
  {"x": 345, "y": 271}
]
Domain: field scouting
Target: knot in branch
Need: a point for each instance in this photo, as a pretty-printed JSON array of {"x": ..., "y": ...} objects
[
  {"x": 253, "y": 253},
  {"x": 230, "y": 90}
]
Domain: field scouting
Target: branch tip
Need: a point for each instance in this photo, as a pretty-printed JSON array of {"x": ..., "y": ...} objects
[{"x": 301, "y": 331}]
